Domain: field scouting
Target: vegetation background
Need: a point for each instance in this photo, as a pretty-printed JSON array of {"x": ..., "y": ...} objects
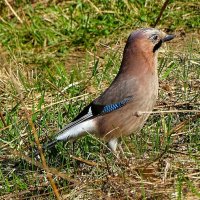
[{"x": 55, "y": 57}]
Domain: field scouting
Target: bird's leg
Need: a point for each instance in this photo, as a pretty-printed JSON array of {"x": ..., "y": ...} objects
[
  {"x": 112, "y": 144},
  {"x": 121, "y": 151}
]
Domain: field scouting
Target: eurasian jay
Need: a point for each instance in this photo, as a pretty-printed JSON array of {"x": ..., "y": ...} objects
[{"x": 134, "y": 90}]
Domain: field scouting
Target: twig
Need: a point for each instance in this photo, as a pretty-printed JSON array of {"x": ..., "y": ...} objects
[
  {"x": 184, "y": 153},
  {"x": 167, "y": 167},
  {"x": 93, "y": 5},
  {"x": 1, "y": 18},
  {"x": 88, "y": 162},
  {"x": 13, "y": 11},
  {"x": 55, "y": 87},
  {"x": 48, "y": 106},
  {"x": 127, "y": 4},
  {"x": 2, "y": 119},
  {"x": 38, "y": 164},
  {"x": 23, "y": 194},
  {"x": 161, "y": 12},
  {"x": 182, "y": 124},
  {"x": 174, "y": 105},
  {"x": 167, "y": 111},
  {"x": 34, "y": 132},
  {"x": 174, "y": 130}
]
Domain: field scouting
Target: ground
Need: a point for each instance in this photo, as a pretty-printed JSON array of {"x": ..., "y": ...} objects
[{"x": 56, "y": 56}]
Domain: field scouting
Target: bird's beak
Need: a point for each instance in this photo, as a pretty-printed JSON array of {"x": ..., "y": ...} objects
[
  {"x": 164, "y": 38},
  {"x": 168, "y": 38}
]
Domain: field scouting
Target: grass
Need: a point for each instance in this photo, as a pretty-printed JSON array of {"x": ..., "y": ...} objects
[{"x": 63, "y": 55}]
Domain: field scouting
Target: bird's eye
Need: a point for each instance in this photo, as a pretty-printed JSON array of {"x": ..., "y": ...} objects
[{"x": 154, "y": 38}]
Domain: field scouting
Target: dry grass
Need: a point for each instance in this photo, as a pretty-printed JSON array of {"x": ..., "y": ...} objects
[{"x": 162, "y": 162}]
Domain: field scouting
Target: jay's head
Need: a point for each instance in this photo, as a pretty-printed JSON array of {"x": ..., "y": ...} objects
[{"x": 147, "y": 40}]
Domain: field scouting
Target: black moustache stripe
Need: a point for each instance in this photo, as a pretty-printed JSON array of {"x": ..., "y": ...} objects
[{"x": 157, "y": 46}]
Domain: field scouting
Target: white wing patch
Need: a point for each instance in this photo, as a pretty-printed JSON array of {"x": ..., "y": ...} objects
[{"x": 78, "y": 130}]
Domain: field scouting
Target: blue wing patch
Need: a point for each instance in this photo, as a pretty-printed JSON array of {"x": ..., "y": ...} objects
[{"x": 115, "y": 106}]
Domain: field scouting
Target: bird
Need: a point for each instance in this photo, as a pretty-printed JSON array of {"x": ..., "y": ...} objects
[{"x": 123, "y": 108}]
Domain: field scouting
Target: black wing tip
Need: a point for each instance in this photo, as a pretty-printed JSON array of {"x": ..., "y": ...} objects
[
  {"x": 50, "y": 144},
  {"x": 44, "y": 147}
]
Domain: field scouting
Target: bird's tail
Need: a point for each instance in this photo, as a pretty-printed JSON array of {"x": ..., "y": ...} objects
[
  {"x": 47, "y": 146},
  {"x": 50, "y": 144}
]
